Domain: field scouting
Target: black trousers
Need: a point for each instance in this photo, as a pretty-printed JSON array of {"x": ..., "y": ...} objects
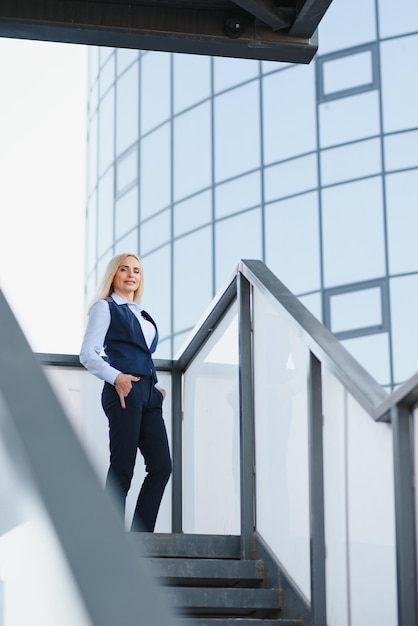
[{"x": 140, "y": 426}]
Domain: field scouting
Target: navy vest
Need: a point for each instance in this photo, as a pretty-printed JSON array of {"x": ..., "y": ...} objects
[{"x": 125, "y": 344}]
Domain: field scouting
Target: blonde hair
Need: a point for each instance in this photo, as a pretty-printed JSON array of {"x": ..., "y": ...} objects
[{"x": 105, "y": 288}]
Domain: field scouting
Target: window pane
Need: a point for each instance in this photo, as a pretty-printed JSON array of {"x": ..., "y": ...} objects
[
  {"x": 192, "y": 151},
  {"x": 106, "y": 126},
  {"x": 191, "y": 79},
  {"x": 92, "y": 154},
  {"x": 399, "y": 64},
  {"x": 313, "y": 303},
  {"x": 397, "y": 22},
  {"x": 402, "y": 215},
  {"x": 348, "y": 119},
  {"x": 289, "y": 119},
  {"x": 91, "y": 232},
  {"x": 347, "y": 72},
  {"x": 129, "y": 243},
  {"x": 126, "y": 210},
  {"x": 341, "y": 27},
  {"x": 127, "y": 109},
  {"x": 155, "y": 90},
  {"x": 356, "y": 309},
  {"x": 401, "y": 150},
  {"x": 237, "y": 132},
  {"x": 372, "y": 352},
  {"x": 242, "y": 193},
  {"x": 192, "y": 213},
  {"x": 107, "y": 76},
  {"x": 229, "y": 72},
  {"x": 353, "y": 235},
  {"x": 155, "y": 231},
  {"x": 127, "y": 170},
  {"x": 237, "y": 237},
  {"x": 157, "y": 293},
  {"x": 124, "y": 58},
  {"x": 155, "y": 172},
  {"x": 404, "y": 306},
  {"x": 105, "y": 213},
  {"x": 292, "y": 233},
  {"x": 192, "y": 275},
  {"x": 353, "y": 161},
  {"x": 285, "y": 179}
]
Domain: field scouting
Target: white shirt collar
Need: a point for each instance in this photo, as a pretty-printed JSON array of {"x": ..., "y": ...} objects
[{"x": 120, "y": 300}]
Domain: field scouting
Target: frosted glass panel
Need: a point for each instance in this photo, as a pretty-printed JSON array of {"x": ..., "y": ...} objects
[
  {"x": 359, "y": 512},
  {"x": 211, "y": 479},
  {"x": 282, "y": 485}
]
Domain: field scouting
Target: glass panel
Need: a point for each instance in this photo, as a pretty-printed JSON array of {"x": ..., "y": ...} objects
[
  {"x": 128, "y": 242},
  {"x": 403, "y": 307},
  {"x": 211, "y": 482},
  {"x": 155, "y": 232},
  {"x": 359, "y": 512},
  {"x": 93, "y": 99},
  {"x": 353, "y": 161},
  {"x": 107, "y": 76},
  {"x": 105, "y": 213},
  {"x": 92, "y": 154},
  {"x": 191, "y": 79},
  {"x": 345, "y": 208},
  {"x": 285, "y": 178},
  {"x": 237, "y": 132},
  {"x": 347, "y": 72},
  {"x": 401, "y": 150},
  {"x": 126, "y": 212},
  {"x": 91, "y": 232},
  {"x": 106, "y": 131},
  {"x": 348, "y": 119},
  {"x": 158, "y": 291},
  {"x": 192, "y": 213},
  {"x": 36, "y": 584},
  {"x": 292, "y": 233},
  {"x": 155, "y": 181},
  {"x": 104, "y": 54},
  {"x": 281, "y": 439},
  {"x": 192, "y": 274},
  {"x": 192, "y": 151},
  {"x": 155, "y": 89},
  {"x": 289, "y": 113},
  {"x": 397, "y": 22},
  {"x": 124, "y": 58},
  {"x": 242, "y": 193},
  {"x": 341, "y": 29},
  {"x": 372, "y": 352},
  {"x": 237, "y": 237},
  {"x": 399, "y": 63},
  {"x": 229, "y": 72},
  {"x": 127, "y": 170},
  {"x": 313, "y": 303},
  {"x": 356, "y": 309},
  {"x": 415, "y": 462},
  {"x": 402, "y": 216},
  {"x": 127, "y": 109},
  {"x": 93, "y": 63}
]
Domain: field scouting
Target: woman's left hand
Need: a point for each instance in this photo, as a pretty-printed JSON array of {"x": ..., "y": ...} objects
[{"x": 162, "y": 392}]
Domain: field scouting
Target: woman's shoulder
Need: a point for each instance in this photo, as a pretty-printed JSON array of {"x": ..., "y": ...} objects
[{"x": 99, "y": 305}]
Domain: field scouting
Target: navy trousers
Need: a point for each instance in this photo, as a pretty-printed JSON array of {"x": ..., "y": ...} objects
[{"x": 140, "y": 426}]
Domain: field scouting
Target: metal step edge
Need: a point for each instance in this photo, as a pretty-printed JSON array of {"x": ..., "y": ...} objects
[
  {"x": 187, "y": 545},
  {"x": 238, "y": 621},
  {"x": 207, "y": 572},
  {"x": 209, "y": 598}
]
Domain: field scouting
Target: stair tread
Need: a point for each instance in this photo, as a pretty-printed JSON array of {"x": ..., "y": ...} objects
[
  {"x": 238, "y": 621},
  {"x": 188, "y": 545},
  {"x": 209, "y": 597},
  {"x": 208, "y": 571}
]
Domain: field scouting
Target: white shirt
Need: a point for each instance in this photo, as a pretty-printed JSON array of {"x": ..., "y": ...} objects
[{"x": 97, "y": 326}]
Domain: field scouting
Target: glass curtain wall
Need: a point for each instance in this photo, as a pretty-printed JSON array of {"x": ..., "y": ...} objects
[{"x": 196, "y": 162}]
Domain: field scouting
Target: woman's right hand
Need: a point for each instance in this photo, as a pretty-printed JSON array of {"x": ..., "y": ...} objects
[{"x": 123, "y": 386}]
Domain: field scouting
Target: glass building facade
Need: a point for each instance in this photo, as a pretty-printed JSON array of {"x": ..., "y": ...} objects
[{"x": 195, "y": 162}]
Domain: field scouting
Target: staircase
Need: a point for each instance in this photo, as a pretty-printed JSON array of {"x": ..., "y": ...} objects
[{"x": 209, "y": 585}]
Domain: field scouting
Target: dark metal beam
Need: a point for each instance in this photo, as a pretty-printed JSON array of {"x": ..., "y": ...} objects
[
  {"x": 197, "y": 30},
  {"x": 309, "y": 14},
  {"x": 268, "y": 12}
]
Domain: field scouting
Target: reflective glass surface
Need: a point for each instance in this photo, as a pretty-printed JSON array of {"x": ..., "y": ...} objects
[
  {"x": 356, "y": 309},
  {"x": 398, "y": 22},
  {"x": 126, "y": 212},
  {"x": 107, "y": 75},
  {"x": 191, "y": 79},
  {"x": 372, "y": 352},
  {"x": 155, "y": 94},
  {"x": 400, "y": 150},
  {"x": 126, "y": 170},
  {"x": 403, "y": 304},
  {"x": 281, "y": 438},
  {"x": 241, "y": 193},
  {"x": 347, "y": 72},
  {"x": 158, "y": 293},
  {"x": 355, "y": 160},
  {"x": 192, "y": 213},
  {"x": 402, "y": 216},
  {"x": 284, "y": 179},
  {"x": 341, "y": 29},
  {"x": 124, "y": 58},
  {"x": 155, "y": 232},
  {"x": 155, "y": 181},
  {"x": 229, "y": 72},
  {"x": 211, "y": 478},
  {"x": 127, "y": 116},
  {"x": 106, "y": 126},
  {"x": 348, "y": 119},
  {"x": 105, "y": 213},
  {"x": 283, "y": 249}
]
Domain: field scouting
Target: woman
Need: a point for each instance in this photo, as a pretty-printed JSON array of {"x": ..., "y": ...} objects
[{"x": 130, "y": 398}]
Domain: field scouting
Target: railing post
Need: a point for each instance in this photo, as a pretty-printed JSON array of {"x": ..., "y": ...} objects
[
  {"x": 246, "y": 403},
  {"x": 406, "y": 556},
  {"x": 316, "y": 491},
  {"x": 177, "y": 448}
]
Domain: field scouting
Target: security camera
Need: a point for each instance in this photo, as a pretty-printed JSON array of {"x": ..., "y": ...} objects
[{"x": 234, "y": 27}]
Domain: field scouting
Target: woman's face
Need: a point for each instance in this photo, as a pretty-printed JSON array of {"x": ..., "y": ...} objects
[{"x": 127, "y": 278}]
